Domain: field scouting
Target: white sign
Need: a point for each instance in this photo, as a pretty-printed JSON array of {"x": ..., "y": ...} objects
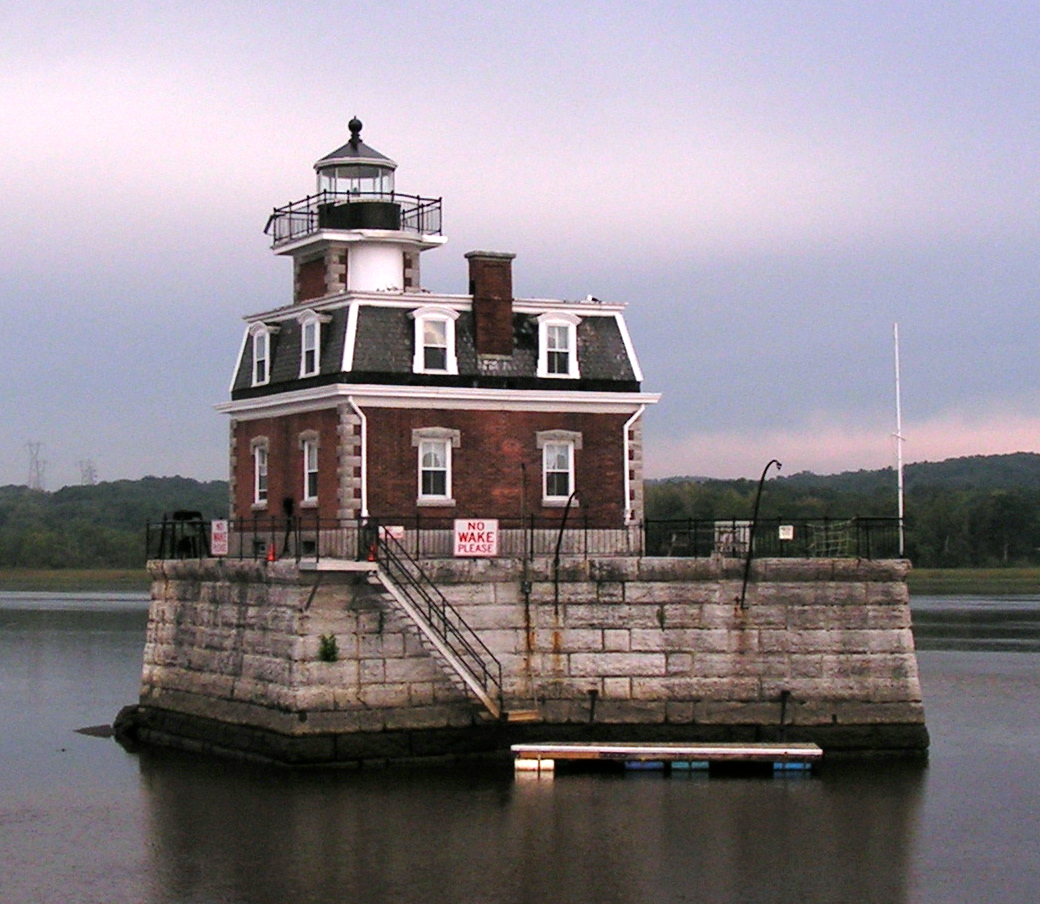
[
  {"x": 476, "y": 537},
  {"x": 218, "y": 538},
  {"x": 786, "y": 531}
]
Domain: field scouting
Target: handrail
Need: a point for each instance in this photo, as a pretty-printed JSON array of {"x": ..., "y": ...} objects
[
  {"x": 299, "y": 218},
  {"x": 443, "y": 618}
]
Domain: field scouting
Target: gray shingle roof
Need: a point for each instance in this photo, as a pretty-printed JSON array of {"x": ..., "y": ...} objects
[{"x": 384, "y": 347}]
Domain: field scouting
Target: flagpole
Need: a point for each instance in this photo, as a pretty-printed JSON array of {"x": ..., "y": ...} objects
[{"x": 899, "y": 444}]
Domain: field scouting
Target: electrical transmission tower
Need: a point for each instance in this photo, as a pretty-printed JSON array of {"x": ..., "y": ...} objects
[
  {"x": 37, "y": 467},
  {"x": 87, "y": 473}
]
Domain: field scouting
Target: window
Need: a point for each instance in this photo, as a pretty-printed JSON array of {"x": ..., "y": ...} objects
[
  {"x": 435, "y": 341},
  {"x": 261, "y": 335},
  {"x": 434, "y": 473},
  {"x": 309, "y": 445},
  {"x": 558, "y": 468},
  {"x": 435, "y": 446},
  {"x": 260, "y": 348},
  {"x": 557, "y": 345},
  {"x": 310, "y": 343},
  {"x": 435, "y": 345},
  {"x": 260, "y": 472},
  {"x": 557, "y": 464}
]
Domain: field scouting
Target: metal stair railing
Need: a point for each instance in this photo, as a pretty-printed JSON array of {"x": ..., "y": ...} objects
[{"x": 455, "y": 640}]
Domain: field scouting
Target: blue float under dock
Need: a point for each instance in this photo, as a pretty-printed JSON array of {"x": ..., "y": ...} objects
[{"x": 542, "y": 758}]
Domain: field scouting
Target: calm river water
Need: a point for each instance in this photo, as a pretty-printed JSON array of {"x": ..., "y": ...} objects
[{"x": 81, "y": 820}]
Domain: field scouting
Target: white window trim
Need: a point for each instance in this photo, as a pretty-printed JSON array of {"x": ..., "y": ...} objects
[
  {"x": 308, "y": 441},
  {"x": 256, "y": 332},
  {"x": 258, "y": 446},
  {"x": 448, "y": 317},
  {"x": 449, "y": 439},
  {"x": 573, "y": 441},
  {"x": 306, "y": 320},
  {"x": 570, "y": 322}
]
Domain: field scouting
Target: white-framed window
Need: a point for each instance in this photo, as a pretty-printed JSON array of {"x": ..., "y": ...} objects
[
  {"x": 310, "y": 343},
  {"x": 309, "y": 446},
  {"x": 435, "y": 469},
  {"x": 259, "y": 445},
  {"x": 435, "y": 341},
  {"x": 558, "y": 481},
  {"x": 558, "y": 345},
  {"x": 434, "y": 445},
  {"x": 261, "y": 339}
]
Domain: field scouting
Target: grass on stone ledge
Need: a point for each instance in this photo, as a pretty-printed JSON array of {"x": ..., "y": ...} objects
[{"x": 928, "y": 581}]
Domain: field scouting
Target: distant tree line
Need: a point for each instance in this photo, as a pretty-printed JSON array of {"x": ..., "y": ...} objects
[
  {"x": 978, "y": 511},
  {"x": 101, "y": 526}
]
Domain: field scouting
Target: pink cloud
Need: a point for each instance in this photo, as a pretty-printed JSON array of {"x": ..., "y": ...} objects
[{"x": 829, "y": 447}]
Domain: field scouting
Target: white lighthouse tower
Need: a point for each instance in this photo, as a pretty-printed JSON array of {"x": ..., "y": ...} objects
[{"x": 357, "y": 233}]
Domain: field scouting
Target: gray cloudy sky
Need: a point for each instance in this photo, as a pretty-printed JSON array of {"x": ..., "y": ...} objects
[{"x": 768, "y": 185}]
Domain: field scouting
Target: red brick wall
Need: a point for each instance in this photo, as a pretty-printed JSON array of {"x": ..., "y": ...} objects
[
  {"x": 285, "y": 463},
  {"x": 487, "y": 478},
  {"x": 310, "y": 280}
]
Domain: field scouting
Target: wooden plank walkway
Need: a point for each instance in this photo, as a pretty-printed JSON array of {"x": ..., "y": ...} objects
[{"x": 543, "y": 757}]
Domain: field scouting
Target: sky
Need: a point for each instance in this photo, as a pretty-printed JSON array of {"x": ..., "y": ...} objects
[{"x": 768, "y": 186}]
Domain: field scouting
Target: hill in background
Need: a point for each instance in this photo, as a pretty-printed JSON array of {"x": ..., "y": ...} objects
[{"x": 979, "y": 510}]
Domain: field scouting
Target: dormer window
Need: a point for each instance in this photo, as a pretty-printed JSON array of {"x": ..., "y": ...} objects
[
  {"x": 435, "y": 341},
  {"x": 261, "y": 334},
  {"x": 558, "y": 345},
  {"x": 310, "y": 343}
]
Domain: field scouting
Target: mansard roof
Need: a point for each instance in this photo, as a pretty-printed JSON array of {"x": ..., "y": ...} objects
[{"x": 383, "y": 346}]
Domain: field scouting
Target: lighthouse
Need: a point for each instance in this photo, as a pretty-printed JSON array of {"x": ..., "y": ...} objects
[
  {"x": 370, "y": 396},
  {"x": 356, "y": 233}
]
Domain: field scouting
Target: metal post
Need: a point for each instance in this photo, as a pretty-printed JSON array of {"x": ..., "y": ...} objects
[{"x": 751, "y": 531}]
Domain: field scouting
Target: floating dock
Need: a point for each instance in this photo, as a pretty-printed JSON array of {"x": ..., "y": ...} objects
[{"x": 542, "y": 758}]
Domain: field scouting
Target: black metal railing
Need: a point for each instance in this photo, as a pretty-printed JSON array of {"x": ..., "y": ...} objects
[
  {"x": 301, "y": 218},
  {"x": 306, "y": 536},
  {"x": 444, "y": 620}
]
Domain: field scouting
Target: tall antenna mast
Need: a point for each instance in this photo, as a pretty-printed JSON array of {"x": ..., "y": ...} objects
[{"x": 899, "y": 444}]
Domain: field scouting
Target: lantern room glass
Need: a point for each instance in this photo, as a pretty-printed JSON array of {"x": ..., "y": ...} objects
[{"x": 363, "y": 180}]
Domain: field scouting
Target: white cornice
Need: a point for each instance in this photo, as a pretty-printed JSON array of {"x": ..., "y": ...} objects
[
  {"x": 413, "y": 300},
  {"x": 379, "y": 396},
  {"x": 323, "y": 237}
]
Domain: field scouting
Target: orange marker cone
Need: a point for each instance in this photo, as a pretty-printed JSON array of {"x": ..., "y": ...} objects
[{"x": 271, "y": 557}]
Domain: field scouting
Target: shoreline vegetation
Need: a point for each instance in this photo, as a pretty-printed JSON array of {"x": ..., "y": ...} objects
[{"x": 922, "y": 581}]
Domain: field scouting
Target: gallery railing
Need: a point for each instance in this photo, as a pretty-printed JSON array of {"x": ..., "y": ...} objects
[
  {"x": 186, "y": 536},
  {"x": 327, "y": 209}
]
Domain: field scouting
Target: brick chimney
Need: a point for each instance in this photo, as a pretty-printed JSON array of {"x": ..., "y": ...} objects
[{"x": 491, "y": 285}]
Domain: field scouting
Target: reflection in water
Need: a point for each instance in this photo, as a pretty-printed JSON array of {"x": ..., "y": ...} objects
[
  {"x": 1008, "y": 623},
  {"x": 233, "y": 833},
  {"x": 171, "y": 829}
]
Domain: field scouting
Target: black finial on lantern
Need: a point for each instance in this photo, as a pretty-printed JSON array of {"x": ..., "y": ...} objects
[{"x": 355, "y": 131}]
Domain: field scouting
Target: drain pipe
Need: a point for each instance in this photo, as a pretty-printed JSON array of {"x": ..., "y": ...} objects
[
  {"x": 364, "y": 455},
  {"x": 629, "y": 511}
]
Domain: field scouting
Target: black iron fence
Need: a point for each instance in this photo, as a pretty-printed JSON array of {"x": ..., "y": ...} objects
[
  {"x": 185, "y": 535},
  {"x": 301, "y": 218}
]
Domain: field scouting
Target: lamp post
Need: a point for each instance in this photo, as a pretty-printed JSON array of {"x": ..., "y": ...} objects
[{"x": 751, "y": 531}]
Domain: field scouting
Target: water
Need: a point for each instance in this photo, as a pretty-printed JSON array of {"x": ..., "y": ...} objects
[{"x": 81, "y": 820}]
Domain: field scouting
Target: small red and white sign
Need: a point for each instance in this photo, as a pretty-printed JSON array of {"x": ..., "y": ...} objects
[
  {"x": 218, "y": 538},
  {"x": 476, "y": 537}
]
